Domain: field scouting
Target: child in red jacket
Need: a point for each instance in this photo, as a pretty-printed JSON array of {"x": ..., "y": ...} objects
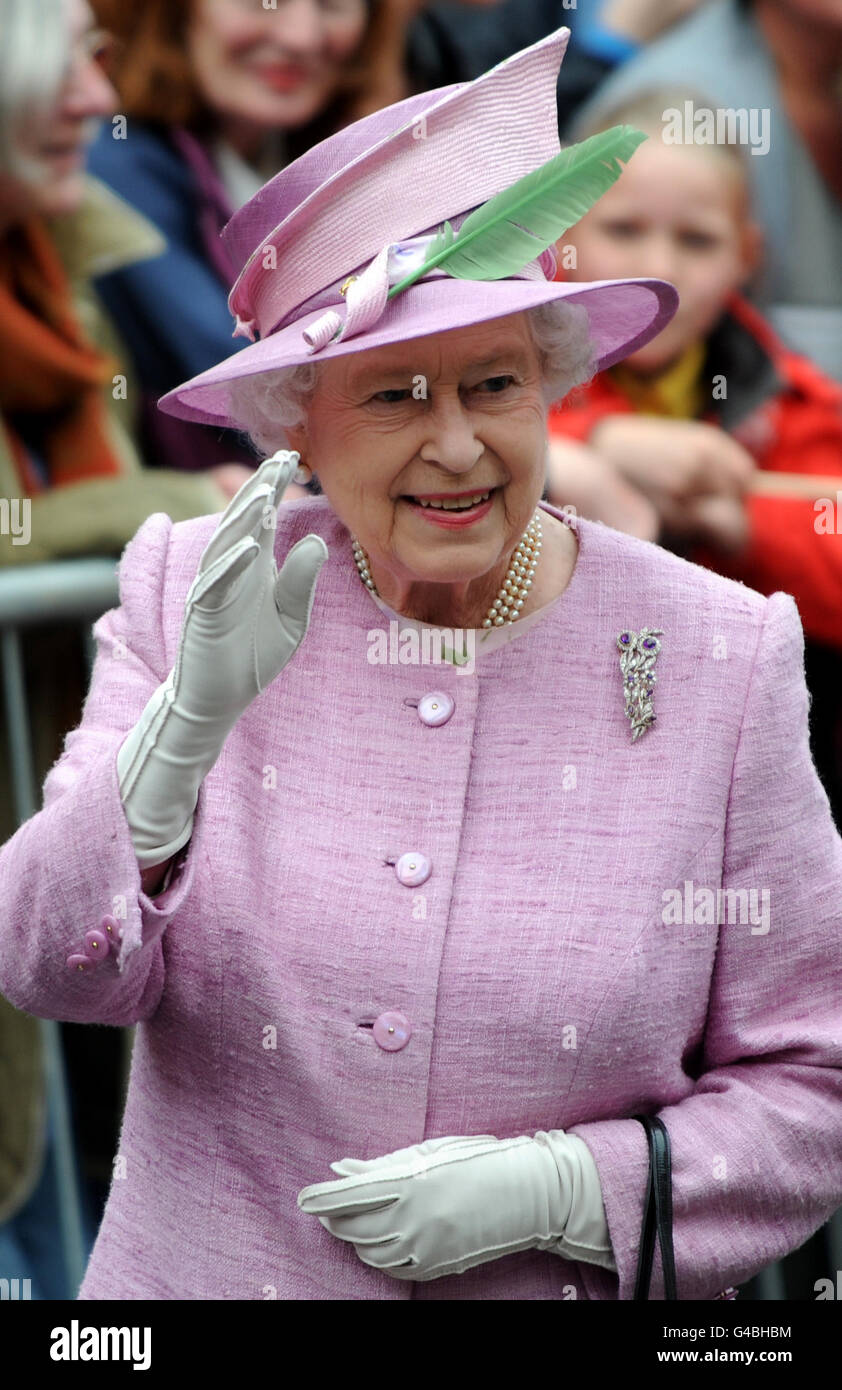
[{"x": 689, "y": 419}]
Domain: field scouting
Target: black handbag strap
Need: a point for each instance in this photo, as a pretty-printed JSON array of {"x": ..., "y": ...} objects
[{"x": 657, "y": 1216}]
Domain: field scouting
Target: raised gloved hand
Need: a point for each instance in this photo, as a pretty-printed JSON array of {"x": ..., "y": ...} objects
[
  {"x": 445, "y": 1205},
  {"x": 243, "y": 621}
]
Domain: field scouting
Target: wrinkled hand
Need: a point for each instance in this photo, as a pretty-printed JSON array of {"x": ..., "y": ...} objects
[
  {"x": 720, "y": 522},
  {"x": 445, "y": 1205},
  {"x": 580, "y": 477},
  {"x": 674, "y": 461}
]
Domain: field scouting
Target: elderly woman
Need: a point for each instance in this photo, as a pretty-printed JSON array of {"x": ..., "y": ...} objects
[{"x": 409, "y": 950}]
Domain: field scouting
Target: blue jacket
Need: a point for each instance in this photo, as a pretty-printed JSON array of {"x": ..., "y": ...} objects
[{"x": 172, "y": 312}]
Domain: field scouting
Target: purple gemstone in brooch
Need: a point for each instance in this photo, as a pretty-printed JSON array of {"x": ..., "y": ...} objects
[{"x": 638, "y": 651}]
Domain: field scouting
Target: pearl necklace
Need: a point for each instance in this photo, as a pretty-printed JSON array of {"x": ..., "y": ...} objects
[{"x": 515, "y": 588}]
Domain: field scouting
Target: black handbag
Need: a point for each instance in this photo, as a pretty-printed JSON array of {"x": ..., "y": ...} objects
[{"x": 657, "y": 1215}]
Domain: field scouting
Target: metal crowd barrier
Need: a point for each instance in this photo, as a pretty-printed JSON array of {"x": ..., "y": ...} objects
[{"x": 80, "y": 591}]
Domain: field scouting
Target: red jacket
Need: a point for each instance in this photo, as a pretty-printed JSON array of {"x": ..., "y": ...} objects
[{"x": 788, "y": 415}]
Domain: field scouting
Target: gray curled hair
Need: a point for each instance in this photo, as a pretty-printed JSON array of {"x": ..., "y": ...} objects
[
  {"x": 267, "y": 404},
  {"x": 34, "y": 49}
]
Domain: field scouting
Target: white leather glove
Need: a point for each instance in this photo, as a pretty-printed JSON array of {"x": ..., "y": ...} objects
[
  {"x": 446, "y": 1205},
  {"x": 243, "y": 621}
]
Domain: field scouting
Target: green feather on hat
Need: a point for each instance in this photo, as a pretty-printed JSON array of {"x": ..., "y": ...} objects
[{"x": 514, "y": 227}]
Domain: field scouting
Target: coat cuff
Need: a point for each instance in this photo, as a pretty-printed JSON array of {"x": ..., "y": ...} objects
[
  {"x": 145, "y": 926},
  {"x": 621, "y": 1153}
]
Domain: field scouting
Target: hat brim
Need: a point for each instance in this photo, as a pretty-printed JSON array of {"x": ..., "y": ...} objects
[{"x": 623, "y": 315}]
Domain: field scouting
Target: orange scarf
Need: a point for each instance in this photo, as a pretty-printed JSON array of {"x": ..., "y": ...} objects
[{"x": 50, "y": 379}]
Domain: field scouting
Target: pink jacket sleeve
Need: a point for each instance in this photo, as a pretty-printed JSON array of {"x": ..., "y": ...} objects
[
  {"x": 757, "y": 1145},
  {"x": 73, "y": 863}
]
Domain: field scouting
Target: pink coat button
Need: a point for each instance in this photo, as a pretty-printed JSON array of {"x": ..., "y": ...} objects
[
  {"x": 392, "y": 1030},
  {"x": 96, "y": 944},
  {"x": 436, "y": 708},
  {"x": 413, "y": 868},
  {"x": 112, "y": 930},
  {"x": 80, "y": 962}
]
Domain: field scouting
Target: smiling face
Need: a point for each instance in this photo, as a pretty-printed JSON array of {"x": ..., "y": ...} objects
[
  {"x": 272, "y": 66},
  {"x": 677, "y": 213},
  {"x": 456, "y": 414},
  {"x": 53, "y": 146}
]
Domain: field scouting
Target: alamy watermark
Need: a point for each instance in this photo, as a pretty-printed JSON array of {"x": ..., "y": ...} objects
[
  {"x": 82, "y": 1343},
  {"x": 429, "y": 646},
  {"x": 16, "y": 519},
  {"x": 828, "y": 520},
  {"x": 726, "y": 125},
  {"x": 714, "y": 906},
  {"x": 15, "y": 1290}
]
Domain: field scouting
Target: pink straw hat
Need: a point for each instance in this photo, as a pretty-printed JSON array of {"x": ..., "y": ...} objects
[{"x": 351, "y": 219}]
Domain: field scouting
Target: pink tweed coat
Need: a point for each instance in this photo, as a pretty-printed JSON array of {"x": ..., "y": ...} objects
[{"x": 557, "y": 969}]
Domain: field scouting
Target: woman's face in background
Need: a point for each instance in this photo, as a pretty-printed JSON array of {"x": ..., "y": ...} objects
[
  {"x": 272, "y": 63},
  {"x": 54, "y": 145}
]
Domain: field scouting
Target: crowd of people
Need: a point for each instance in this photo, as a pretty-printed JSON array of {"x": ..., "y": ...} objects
[{"x": 131, "y": 131}]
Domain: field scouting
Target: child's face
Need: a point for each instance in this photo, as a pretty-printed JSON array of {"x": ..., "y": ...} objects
[{"x": 675, "y": 213}]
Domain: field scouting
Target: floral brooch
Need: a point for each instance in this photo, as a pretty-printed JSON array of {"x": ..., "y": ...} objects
[{"x": 638, "y": 651}]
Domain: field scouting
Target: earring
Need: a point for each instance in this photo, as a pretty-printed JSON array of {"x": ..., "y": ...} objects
[{"x": 302, "y": 475}]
